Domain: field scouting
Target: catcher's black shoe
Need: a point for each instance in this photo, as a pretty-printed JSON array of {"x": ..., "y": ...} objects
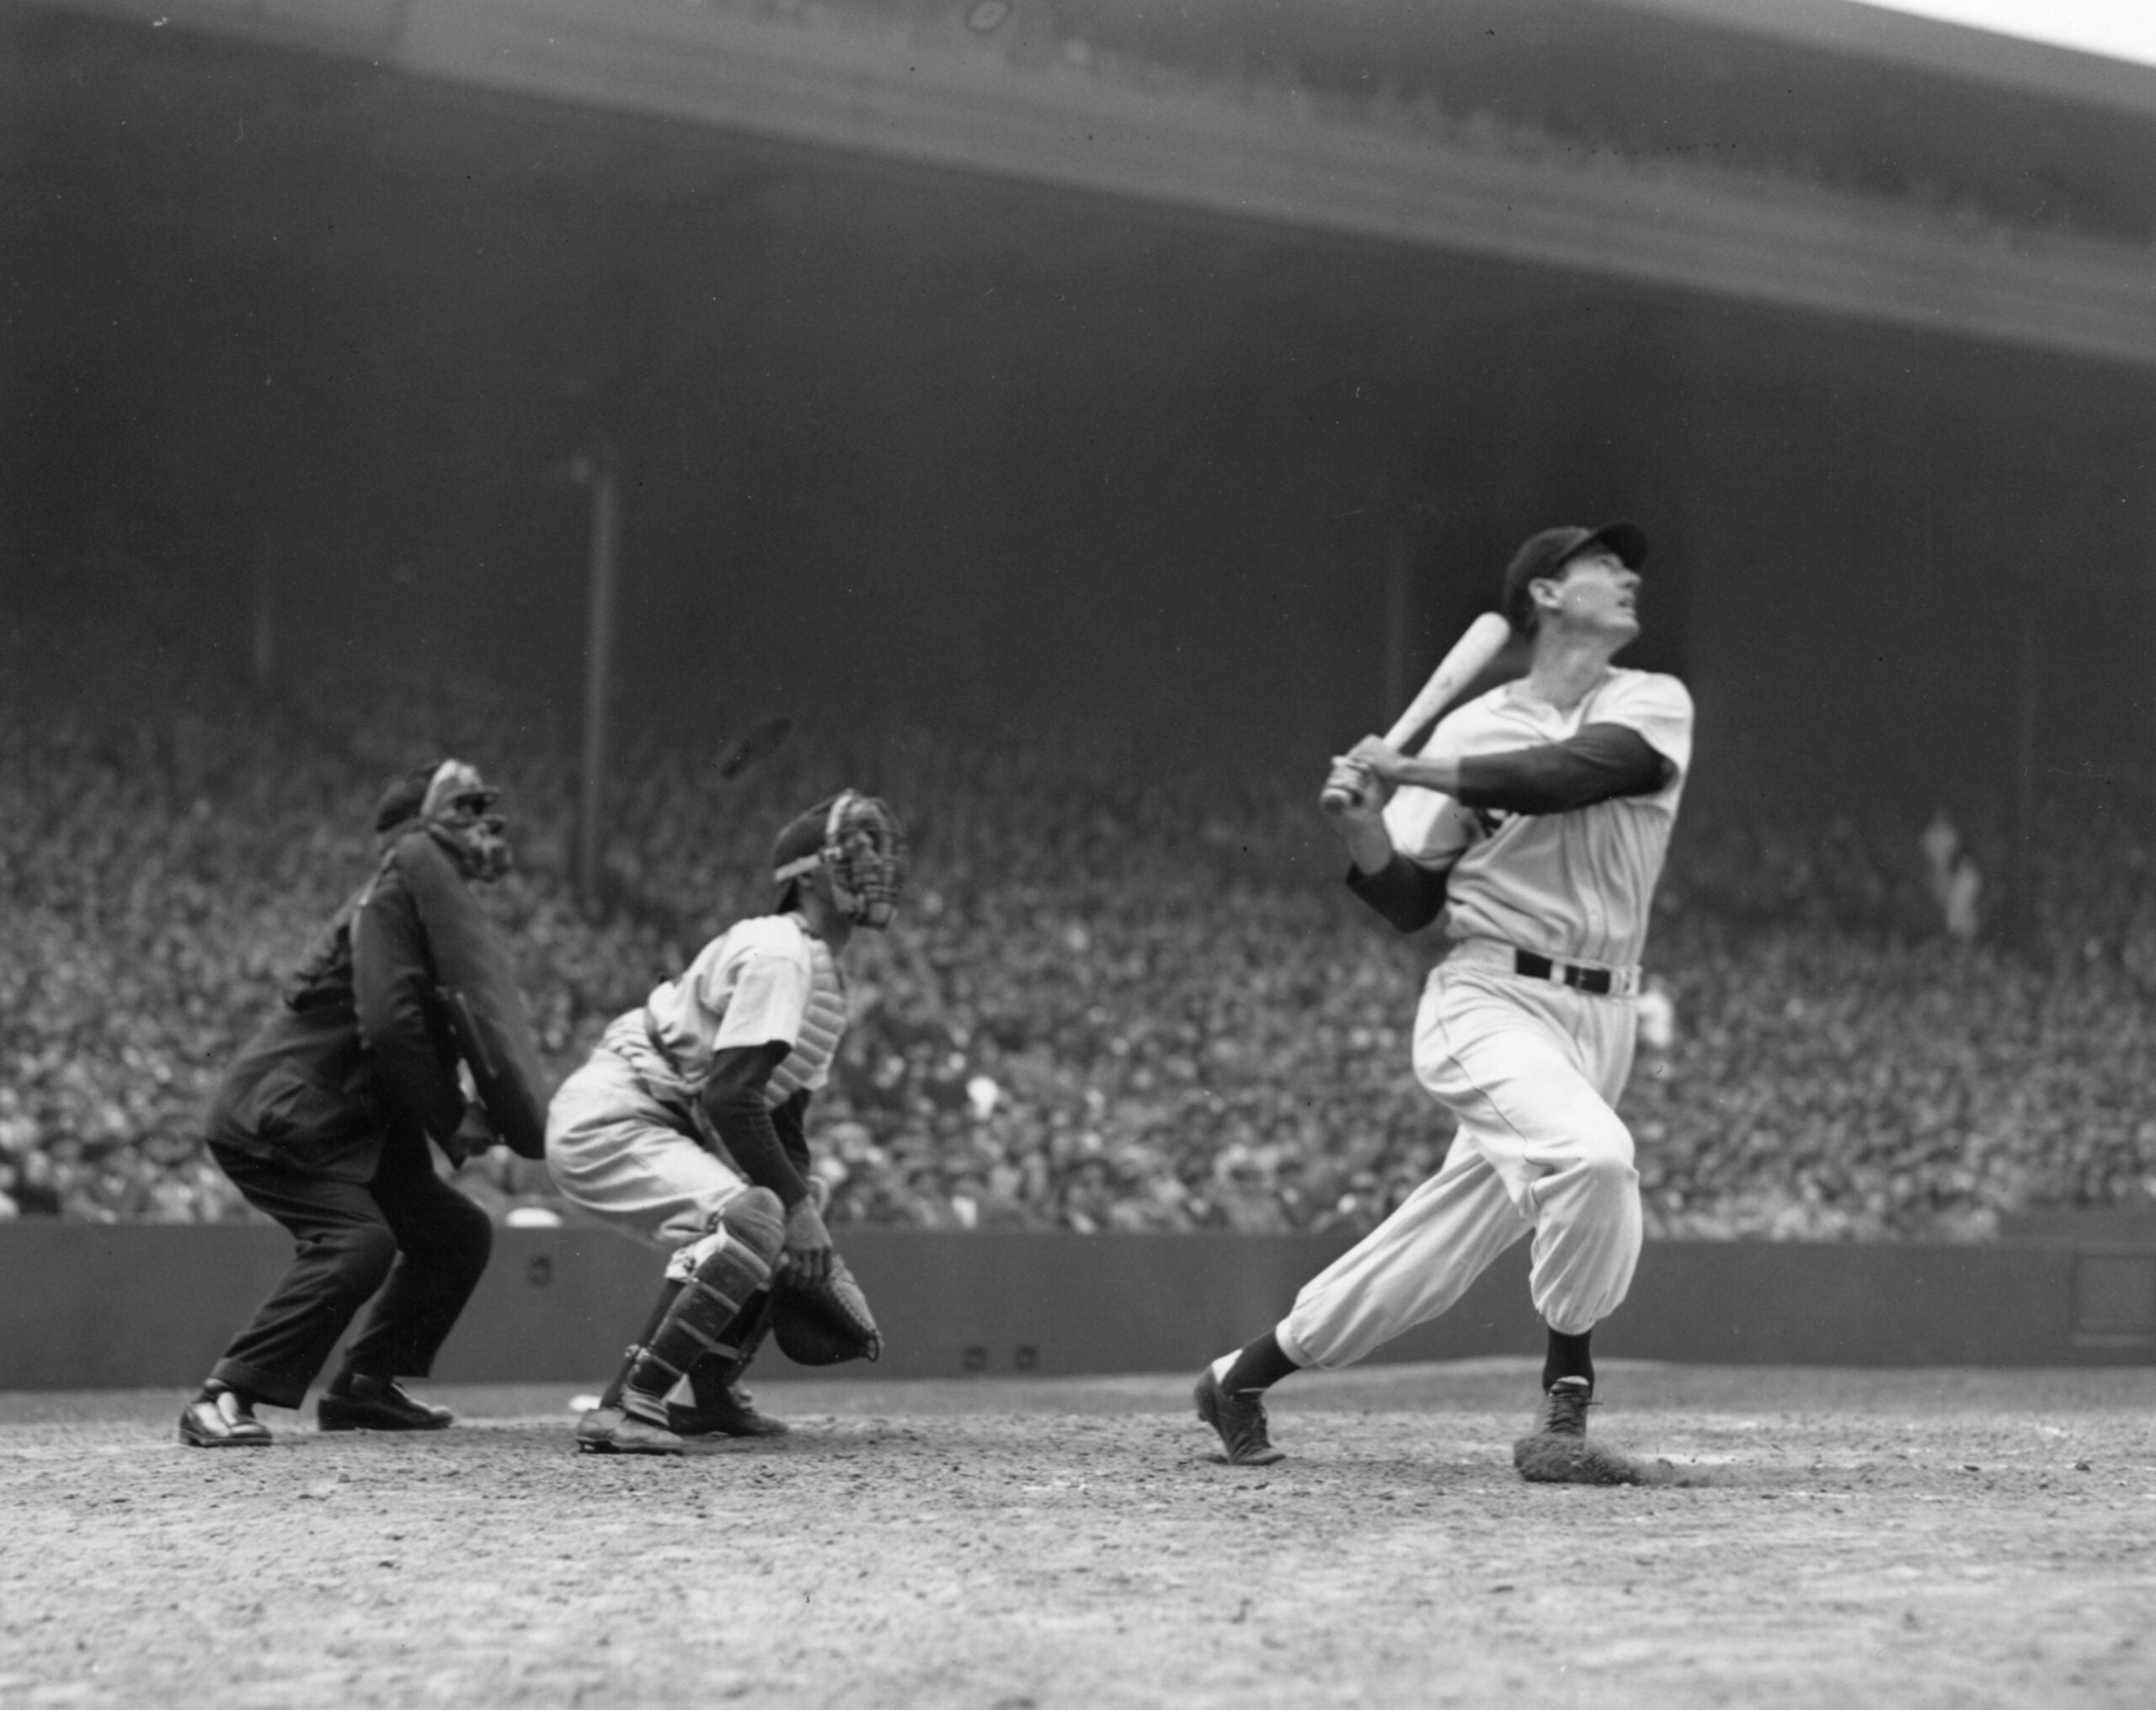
[
  {"x": 378, "y": 1404},
  {"x": 608, "y": 1431},
  {"x": 1239, "y": 1416},
  {"x": 1563, "y": 1412},
  {"x": 221, "y": 1418},
  {"x": 734, "y": 1414}
]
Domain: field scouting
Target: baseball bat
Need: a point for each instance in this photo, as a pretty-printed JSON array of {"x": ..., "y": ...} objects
[{"x": 1470, "y": 655}]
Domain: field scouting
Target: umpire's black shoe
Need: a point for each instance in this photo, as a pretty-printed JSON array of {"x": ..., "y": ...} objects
[
  {"x": 221, "y": 1418},
  {"x": 1239, "y": 1416},
  {"x": 362, "y": 1404},
  {"x": 732, "y": 1415}
]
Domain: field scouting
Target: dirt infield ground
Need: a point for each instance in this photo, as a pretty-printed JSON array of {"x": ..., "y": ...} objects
[{"x": 1862, "y": 1538}]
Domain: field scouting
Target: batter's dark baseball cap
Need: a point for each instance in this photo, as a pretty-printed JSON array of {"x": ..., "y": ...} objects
[{"x": 1545, "y": 554}]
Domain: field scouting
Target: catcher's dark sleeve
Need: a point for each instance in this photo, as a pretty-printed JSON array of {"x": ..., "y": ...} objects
[
  {"x": 392, "y": 986},
  {"x": 791, "y": 1119},
  {"x": 1407, "y": 895},
  {"x": 732, "y": 1096},
  {"x": 1602, "y": 762}
]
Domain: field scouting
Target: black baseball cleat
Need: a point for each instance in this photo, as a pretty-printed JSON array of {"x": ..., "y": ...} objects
[
  {"x": 1563, "y": 1412},
  {"x": 734, "y": 1414},
  {"x": 378, "y": 1404},
  {"x": 1239, "y": 1416},
  {"x": 221, "y": 1418},
  {"x": 1556, "y": 1450},
  {"x": 609, "y": 1430}
]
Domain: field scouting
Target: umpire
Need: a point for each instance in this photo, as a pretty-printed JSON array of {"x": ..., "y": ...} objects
[{"x": 323, "y": 1123}]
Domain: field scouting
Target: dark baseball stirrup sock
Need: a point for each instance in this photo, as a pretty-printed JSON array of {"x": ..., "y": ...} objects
[
  {"x": 1259, "y": 1365},
  {"x": 1568, "y": 1357},
  {"x": 612, "y": 1398}
]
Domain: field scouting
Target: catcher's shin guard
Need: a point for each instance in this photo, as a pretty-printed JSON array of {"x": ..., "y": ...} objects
[
  {"x": 724, "y": 1271},
  {"x": 713, "y": 1376},
  {"x": 668, "y": 1291}
]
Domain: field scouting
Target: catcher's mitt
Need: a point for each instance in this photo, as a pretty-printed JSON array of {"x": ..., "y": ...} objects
[{"x": 824, "y": 1324}]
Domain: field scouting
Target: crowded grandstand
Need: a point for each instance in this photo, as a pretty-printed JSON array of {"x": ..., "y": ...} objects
[{"x": 1109, "y": 1005}]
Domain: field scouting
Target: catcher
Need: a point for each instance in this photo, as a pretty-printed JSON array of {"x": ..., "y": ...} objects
[{"x": 687, "y": 1126}]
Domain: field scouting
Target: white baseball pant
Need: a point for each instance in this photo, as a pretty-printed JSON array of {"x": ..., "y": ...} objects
[
  {"x": 620, "y": 1154},
  {"x": 1532, "y": 1069}
]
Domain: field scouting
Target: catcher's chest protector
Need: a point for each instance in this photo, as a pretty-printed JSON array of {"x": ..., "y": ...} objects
[{"x": 823, "y": 1025}]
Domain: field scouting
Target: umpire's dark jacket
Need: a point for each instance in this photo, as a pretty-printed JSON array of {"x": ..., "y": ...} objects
[{"x": 409, "y": 978}]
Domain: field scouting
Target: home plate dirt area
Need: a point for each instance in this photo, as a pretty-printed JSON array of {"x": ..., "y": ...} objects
[{"x": 1949, "y": 1537}]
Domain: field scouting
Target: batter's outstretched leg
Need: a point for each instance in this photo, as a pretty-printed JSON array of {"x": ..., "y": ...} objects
[{"x": 1230, "y": 1395}]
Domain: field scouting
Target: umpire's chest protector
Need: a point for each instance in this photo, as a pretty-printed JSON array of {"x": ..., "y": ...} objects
[{"x": 476, "y": 990}]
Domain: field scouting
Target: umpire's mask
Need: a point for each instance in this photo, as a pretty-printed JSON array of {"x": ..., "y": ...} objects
[{"x": 459, "y": 810}]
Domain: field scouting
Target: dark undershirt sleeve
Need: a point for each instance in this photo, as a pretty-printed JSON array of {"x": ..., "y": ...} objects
[
  {"x": 1408, "y": 896},
  {"x": 733, "y": 1097},
  {"x": 791, "y": 1120},
  {"x": 1602, "y": 762}
]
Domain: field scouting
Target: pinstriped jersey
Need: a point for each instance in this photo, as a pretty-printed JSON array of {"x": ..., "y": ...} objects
[
  {"x": 1574, "y": 885},
  {"x": 763, "y": 980}
]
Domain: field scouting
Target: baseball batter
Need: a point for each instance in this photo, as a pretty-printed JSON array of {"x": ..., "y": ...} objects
[
  {"x": 686, "y": 1126},
  {"x": 1536, "y": 820}
]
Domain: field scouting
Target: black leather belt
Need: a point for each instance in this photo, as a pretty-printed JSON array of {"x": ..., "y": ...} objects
[{"x": 1595, "y": 982}]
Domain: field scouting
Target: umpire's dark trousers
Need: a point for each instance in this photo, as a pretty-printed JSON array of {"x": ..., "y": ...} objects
[{"x": 405, "y": 1227}]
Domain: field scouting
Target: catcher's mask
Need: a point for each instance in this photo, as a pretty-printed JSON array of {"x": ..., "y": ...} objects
[
  {"x": 457, "y": 806},
  {"x": 857, "y": 841}
]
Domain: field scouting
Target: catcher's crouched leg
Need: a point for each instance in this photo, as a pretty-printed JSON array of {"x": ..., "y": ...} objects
[
  {"x": 718, "y": 1406},
  {"x": 718, "y": 1277},
  {"x": 814, "y": 1325}
]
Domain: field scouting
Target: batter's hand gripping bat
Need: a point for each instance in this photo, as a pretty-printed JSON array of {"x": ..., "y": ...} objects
[{"x": 1470, "y": 657}]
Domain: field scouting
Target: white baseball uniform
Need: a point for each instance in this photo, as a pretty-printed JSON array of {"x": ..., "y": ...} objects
[
  {"x": 622, "y": 1132},
  {"x": 1531, "y": 1066}
]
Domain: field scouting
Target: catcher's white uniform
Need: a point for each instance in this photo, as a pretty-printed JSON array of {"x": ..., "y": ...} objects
[
  {"x": 1531, "y": 1066},
  {"x": 623, "y": 1131}
]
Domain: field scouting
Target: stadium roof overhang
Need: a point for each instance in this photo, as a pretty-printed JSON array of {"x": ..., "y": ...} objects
[{"x": 937, "y": 102}]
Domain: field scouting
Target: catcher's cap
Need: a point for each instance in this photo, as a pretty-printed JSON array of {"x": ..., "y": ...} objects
[
  {"x": 1545, "y": 554},
  {"x": 799, "y": 849}
]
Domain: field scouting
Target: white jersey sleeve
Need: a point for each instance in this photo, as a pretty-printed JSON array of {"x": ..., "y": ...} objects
[
  {"x": 1430, "y": 827},
  {"x": 1657, "y": 707},
  {"x": 769, "y": 996}
]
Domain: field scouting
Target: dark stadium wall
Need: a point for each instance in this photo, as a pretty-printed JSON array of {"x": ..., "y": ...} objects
[
  {"x": 122, "y": 1306},
  {"x": 1897, "y": 538},
  {"x": 1035, "y": 459}
]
